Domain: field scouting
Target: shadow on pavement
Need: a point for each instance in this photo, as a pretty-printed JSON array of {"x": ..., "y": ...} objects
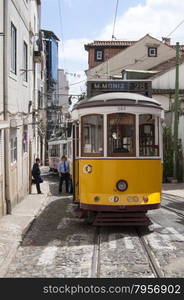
[{"x": 56, "y": 223}]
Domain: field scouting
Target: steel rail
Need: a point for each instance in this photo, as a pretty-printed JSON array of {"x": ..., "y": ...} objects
[
  {"x": 95, "y": 265},
  {"x": 173, "y": 210},
  {"x": 157, "y": 271},
  {"x": 170, "y": 195},
  {"x": 172, "y": 199}
]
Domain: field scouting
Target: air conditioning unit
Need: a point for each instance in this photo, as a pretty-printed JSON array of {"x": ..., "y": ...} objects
[{"x": 37, "y": 56}]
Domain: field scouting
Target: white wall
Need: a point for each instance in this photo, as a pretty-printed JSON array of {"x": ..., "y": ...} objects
[
  {"x": 167, "y": 80},
  {"x": 18, "y": 89},
  {"x": 2, "y": 178},
  {"x": 2, "y": 170},
  {"x": 63, "y": 87},
  {"x": 24, "y": 17},
  {"x": 1, "y": 60},
  {"x": 164, "y": 100}
]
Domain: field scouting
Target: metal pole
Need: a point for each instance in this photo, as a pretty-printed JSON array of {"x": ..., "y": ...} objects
[{"x": 176, "y": 113}]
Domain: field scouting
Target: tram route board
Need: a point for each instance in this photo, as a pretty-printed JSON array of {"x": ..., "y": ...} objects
[{"x": 143, "y": 87}]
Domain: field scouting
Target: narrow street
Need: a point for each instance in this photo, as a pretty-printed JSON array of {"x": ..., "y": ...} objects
[
  {"x": 58, "y": 244},
  {"x": 91, "y": 148}
]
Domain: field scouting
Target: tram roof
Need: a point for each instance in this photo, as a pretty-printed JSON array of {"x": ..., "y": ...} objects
[{"x": 115, "y": 98}]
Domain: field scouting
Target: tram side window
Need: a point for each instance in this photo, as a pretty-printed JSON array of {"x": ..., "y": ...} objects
[
  {"x": 148, "y": 135},
  {"x": 121, "y": 134},
  {"x": 77, "y": 140},
  {"x": 54, "y": 151},
  {"x": 92, "y": 135},
  {"x": 69, "y": 152},
  {"x": 64, "y": 152}
]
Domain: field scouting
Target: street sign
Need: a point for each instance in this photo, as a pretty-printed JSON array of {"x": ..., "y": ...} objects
[{"x": 97, "y": 87}]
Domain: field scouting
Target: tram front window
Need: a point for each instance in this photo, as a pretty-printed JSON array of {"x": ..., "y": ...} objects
[
  {"x": 121, "y": 134},
  {"x": 92, "y": 135},
  {"x": 148, "y": 135}
]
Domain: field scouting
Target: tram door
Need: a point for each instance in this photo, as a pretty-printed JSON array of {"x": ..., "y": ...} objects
[{"x": 76, "y": 162}]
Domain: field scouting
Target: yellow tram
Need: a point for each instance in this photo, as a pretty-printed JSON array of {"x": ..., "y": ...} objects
[{"x": 117, "y": 158}]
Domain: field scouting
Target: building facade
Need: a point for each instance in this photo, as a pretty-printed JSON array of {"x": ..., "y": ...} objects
[
  {"x": 4, "y": 124},
  {"x": 20, "y": 24},
  {"x": 101, "y": 51},
  {"x": 63, "y": 93},
  {"x": 141, "y": 55},
  {"x": 51, "y": 58}
]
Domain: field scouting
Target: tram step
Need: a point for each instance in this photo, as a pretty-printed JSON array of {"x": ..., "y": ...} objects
[
  {"x": 122, "y": 214},
  {"x": 121, "y": 219}
]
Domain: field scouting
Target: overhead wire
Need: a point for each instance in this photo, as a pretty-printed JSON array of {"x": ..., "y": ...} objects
[
  {"x": 64, "y": 87},
  {"x": 175, "y": 28},
  {"x": 142, "y": 60},
  {"x": 77, "y": 82},
  {"x": 117, "y": 2},
  {"x": 61, "y": 30}
]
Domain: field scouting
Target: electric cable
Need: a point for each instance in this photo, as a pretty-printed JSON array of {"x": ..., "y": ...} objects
[
  {"x": 175, "y": 28},
  {"x": 61, "y": 31},
  {"x": 117, "y": 2}
]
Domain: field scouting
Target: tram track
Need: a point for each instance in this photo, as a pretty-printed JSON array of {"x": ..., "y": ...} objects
[
  {"x": 172, "y": 199},
  {"x": 96, "y": 264},
  {"x": 156, "y": 270},
  {"x": 172, "y": 196},
  {"x": 172, "y": 210}
]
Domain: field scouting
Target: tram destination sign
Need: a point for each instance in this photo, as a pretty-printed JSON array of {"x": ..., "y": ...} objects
[{"x": 132, "y": 86}]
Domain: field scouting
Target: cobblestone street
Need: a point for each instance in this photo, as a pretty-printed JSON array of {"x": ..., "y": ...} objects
[{"x": 59, "y": 244}]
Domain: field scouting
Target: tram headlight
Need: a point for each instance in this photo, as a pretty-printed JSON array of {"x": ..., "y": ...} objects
[{"x": 122, "y": 185}]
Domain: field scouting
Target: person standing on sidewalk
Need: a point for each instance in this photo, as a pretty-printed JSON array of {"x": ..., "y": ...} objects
[
  {"x": 36, "y": 175},
  {"x": 64, "y": 173}
]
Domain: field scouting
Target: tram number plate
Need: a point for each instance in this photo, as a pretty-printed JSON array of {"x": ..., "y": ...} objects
[
  {"x": 133, "y": 199},
  {"x": 120, "y": 108}
]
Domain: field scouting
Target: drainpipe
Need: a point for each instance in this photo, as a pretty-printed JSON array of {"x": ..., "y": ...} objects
[
  {"x": 176, "y": 112},
  {"x": 5, "y": 92}
]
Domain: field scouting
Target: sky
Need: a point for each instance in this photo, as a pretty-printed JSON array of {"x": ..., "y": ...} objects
[{"x": 77, "y": 22}]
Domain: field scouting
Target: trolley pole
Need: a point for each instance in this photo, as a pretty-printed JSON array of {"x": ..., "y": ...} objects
[{"x": 176, "y": 113}]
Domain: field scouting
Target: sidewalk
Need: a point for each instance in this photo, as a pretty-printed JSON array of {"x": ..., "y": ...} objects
[
  {"x": 14, "y": 226},
  {"x": 176, "y": 189}
]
